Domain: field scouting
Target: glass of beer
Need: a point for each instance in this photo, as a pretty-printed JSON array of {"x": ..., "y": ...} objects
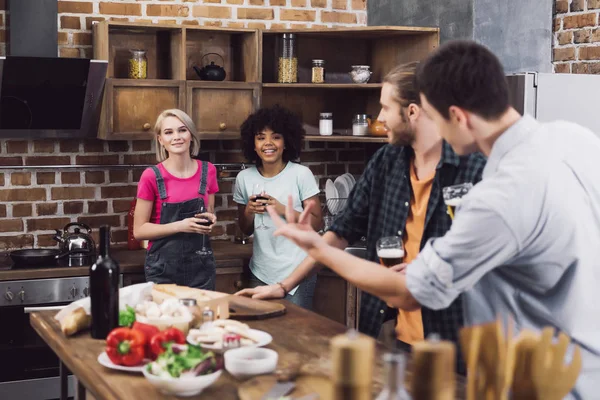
[
  {"x": 453, "y": 196},
  {"x": 390, "y": 251}
]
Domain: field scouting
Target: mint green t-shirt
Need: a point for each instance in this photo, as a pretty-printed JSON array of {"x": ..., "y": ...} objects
[{"x": 274, "y": 258}]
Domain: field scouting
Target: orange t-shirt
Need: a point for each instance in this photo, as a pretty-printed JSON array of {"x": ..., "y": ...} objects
[{"x": 409, "y": 328}]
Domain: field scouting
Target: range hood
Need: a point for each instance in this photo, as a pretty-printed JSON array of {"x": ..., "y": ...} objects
[{"x": 41, "y": 94}]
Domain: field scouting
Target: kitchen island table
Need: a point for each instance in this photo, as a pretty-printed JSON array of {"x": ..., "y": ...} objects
[{"x": 298, "y": 331}]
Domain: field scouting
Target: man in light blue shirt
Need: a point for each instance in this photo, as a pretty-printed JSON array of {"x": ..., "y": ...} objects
[{"x": 525, "y": 241}]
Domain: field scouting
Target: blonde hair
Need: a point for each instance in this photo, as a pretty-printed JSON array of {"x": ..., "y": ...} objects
[
  {"x": 161, "y": 153},
  {"x": 403, "y": 78}
]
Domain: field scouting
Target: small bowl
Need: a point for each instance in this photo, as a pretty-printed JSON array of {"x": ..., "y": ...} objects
[
  {"x": 182, "y": 323},
  {"x": 245, "y": 362},
  {"x": 184, "y": 387}
]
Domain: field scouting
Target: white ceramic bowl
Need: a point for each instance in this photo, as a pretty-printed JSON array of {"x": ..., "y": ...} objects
[
  {"x": 245, "y": 362},
  {"x": 182, "y": 323},
  {"x": 184, "y": 387}
]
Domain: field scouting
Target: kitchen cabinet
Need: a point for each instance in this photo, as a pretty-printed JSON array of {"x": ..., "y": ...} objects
[
  {"x": 132, "y": 106},
  {"x": 219, "y": 109},
  {"x": 336, "y": 299},
  {"x": 249, "y": 57}
]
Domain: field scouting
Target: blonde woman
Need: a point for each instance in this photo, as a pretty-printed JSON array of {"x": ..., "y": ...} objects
[{"x": 175, "y": 206}]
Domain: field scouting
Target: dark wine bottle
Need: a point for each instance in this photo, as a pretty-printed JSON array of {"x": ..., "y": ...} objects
[{"x": 104, "y": 289}]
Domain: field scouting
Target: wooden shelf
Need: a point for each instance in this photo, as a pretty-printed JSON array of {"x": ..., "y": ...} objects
[
  {"x": 219, "y": 136},
  {"x": 250, "y": 59},
  {"x": 308, "y": 138},
  {"x": 339, "y": 138},
  {"x": 323, "y": 85}
]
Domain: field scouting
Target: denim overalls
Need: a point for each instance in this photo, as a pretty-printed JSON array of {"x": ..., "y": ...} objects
[{"x": 173, "y": 259}]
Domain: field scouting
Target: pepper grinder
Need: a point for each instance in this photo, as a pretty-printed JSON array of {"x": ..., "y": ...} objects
[
  {"x": 352, "y": 356},
  {"x": 433, "y": 370}
]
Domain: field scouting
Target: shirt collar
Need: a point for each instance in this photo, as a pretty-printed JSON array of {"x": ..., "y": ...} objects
[
  {"x": 448, "y": 155},
  {"x": 508, "y": 140}
]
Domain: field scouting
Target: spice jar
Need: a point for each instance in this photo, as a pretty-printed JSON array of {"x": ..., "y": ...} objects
[
  {"x": 360, "y": 125},
  {"x": 288, "y": 60},
  {"x": 192, "y": 306},
  {"x": 318, "y": 71},
  {"x": 326, "y": 124},
  {"x": 138, "y": 64}
]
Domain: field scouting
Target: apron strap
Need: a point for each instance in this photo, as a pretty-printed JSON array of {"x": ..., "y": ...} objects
[
  {"x": 203, "y": 178},
  {"x": 160, "y": 182}
]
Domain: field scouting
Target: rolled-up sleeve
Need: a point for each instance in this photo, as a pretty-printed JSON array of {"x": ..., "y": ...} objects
[{"x": 479, "y": 240}]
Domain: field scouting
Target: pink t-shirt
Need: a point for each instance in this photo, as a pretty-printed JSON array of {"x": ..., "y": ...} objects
[{"x": 178, "y": 189}]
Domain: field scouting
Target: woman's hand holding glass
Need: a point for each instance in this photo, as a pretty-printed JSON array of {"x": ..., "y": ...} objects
[
  {"x": 259, "y": 196},
  {"x": 198, "y": 224}
]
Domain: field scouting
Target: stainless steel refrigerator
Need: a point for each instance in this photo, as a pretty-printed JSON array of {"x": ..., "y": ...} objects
[{"x": 551, "y": 97}]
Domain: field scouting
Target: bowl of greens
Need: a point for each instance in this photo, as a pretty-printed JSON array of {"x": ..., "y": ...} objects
[{"x": 184, "y": 370}]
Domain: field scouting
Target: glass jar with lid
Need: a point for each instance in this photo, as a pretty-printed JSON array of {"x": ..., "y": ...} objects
[
  {"x": 318, "y": 71},
  {"x": 326, "y": 124},
  {"x": 288, "y": 59},
  {"x": 138, "y": 64},
  {"x": 360, "y": 125}
]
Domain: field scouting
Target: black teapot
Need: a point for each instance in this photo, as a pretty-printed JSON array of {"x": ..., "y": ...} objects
[{"x": 211, "y": 72}]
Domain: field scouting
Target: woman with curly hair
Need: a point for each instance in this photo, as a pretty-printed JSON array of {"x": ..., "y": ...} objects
[{"x": 272, "y": 139}]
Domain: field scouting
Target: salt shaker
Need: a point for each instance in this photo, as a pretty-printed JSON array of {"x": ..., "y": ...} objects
[
  {"x": 208, "y": 316},
  {"x": 192, "y": 306}
]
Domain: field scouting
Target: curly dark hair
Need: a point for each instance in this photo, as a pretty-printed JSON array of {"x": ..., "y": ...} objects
[{"x": 278, "y": 119}]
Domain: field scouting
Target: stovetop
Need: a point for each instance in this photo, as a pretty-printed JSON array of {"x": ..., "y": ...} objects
[{"x": 7, "y": 264}]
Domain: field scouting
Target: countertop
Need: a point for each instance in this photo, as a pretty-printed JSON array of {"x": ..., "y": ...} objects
[{"x": 227, "y": 254}]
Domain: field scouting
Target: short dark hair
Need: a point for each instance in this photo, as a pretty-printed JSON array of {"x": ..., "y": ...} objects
[
  {"x": 465, "y": 74},
  {"x": 280, "y": 120}
]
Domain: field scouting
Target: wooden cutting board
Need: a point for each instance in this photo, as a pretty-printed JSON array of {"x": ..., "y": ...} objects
[
  {"x": 245, "y": 308},
  {"x": 257, "y": 387}
]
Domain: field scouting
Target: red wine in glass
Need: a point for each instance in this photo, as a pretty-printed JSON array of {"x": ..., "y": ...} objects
[
  {"x": 259, "y": 191},
  {"x": 205, "y": 222}
]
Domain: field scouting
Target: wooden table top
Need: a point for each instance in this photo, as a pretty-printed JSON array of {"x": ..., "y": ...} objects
[
  {"x": 298, "y": 331},
  {"x": 227, "y": 254}
]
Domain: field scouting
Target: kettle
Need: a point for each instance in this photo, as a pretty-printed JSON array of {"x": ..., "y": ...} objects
[
  {"x": 75, "y": 243},
  {"x": 212, "y": 72}
]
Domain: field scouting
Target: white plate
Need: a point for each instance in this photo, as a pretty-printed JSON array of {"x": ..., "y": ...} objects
[
  {"x": 263, "y": 339},
  {"x": 350, "y": 181},
  {"x": 341, "y": 188},
  {"x": 330, "y": 190},
  {"x": 351, "y": 178},
  {"x": 105, "y": 361}
]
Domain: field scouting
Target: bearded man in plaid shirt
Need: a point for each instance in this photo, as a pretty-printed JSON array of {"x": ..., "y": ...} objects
[{"x": 400, "y": 193}]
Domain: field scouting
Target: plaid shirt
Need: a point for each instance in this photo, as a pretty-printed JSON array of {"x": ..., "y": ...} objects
[{"x": 379, "y": 205}]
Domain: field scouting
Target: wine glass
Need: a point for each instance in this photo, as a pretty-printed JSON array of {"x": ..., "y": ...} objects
[
  {"x": 390, "y": 250},
  {"x": 259, "y": 191},
  {"x": 453, "y": 196},
  {"x": 204, "y": 251}
]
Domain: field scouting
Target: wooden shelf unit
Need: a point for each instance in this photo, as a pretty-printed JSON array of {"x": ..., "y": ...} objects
[{"x": 249, "y": 57}]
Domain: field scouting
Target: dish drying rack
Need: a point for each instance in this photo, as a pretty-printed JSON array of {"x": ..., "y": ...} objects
[{"x": 335, "y": 206}]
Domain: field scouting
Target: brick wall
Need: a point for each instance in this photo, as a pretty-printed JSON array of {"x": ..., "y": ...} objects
[
  {"x": 35, "y": 202},
  {"x": 577, "y": 37},
  {"x": 75, "y": 17}
]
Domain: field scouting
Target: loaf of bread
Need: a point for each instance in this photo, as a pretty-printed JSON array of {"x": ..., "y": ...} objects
[{"x": 76, "y": 321}]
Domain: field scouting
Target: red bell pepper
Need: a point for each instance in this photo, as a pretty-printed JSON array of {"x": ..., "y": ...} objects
[
  {"x": 149, "y": 331},
  {"x": 159, "y": 342},
  {"x": 125, "y": 346}
]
